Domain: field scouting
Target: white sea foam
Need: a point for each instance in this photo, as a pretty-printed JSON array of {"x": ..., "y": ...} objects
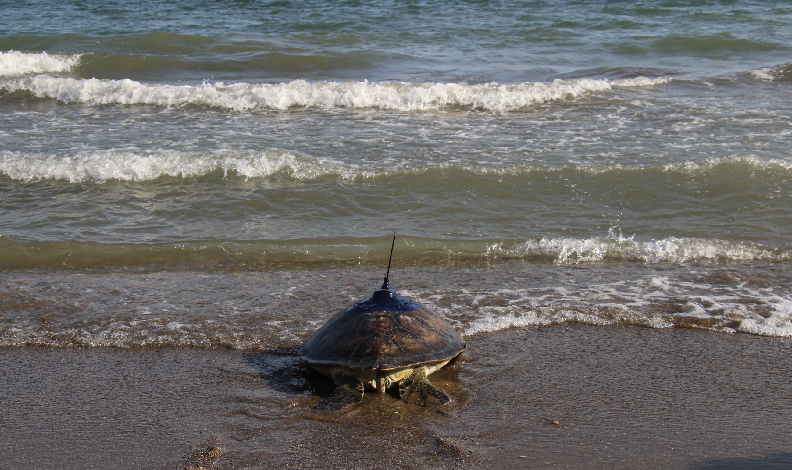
[
  {"x": 748, "y": 160},
  {"x": 123, "y": 165},
  {"x": 256, "y": 310},
  {"x": 770, "y": 74},
  {"x": 137, "y": 165},
  {"x": 727, "y": 308},
  {"x": 618, "y": 247},
  {"x": 764, "y": 74},
  {"x": 14, "y": 63},
  {"x": 397, "y": 96}
]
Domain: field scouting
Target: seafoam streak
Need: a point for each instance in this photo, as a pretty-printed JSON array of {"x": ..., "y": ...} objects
[
  {"x": 254, "y": 310},
  {"x": 15, "y": 63},
  {"x": 99, "y": 166},
  {"x": 570, "y": 251},
  {"x": 655, "y": 302},
  {"x": 28, "y": 254},
  {"x": 123, "y": 165},
  {"x": 396, "y": 96}
]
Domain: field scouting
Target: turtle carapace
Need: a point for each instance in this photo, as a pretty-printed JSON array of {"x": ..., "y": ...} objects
[{"x": 381, "y": 341}]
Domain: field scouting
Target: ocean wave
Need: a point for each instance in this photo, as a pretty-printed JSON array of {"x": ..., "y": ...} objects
[
  {"x": 122, "y": 165},
  {"x": 14, "y": 63},
  {"x": 395, "y": 96},
  {"x": 100, "y": 166},
  {"x": 254, "y": 254},
  {"x": 750, "y": 161},
  {"x": 715, "y": 45},
  {"x": 782, "y": 73},
  {"x": 616, "y": 247}
]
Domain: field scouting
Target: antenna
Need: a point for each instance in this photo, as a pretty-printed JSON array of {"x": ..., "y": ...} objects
[{"x": 385, "y": 284}]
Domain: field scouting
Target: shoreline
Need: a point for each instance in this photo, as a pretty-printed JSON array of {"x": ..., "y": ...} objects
[{"x": 623, "y": 397}]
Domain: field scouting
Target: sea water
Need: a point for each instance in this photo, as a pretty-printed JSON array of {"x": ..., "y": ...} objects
[{"x": 229, "y": 174}]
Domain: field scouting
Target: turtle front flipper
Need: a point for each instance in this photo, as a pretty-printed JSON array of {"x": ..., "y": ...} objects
[
  {"x": 349, "y": 391},
  {"x": 417, "y": 389}
]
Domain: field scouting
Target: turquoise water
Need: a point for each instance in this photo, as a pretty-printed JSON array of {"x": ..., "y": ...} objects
[{"x": 247, "y": 136}]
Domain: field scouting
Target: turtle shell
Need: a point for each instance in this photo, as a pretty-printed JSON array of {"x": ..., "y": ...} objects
[{"x": 383, "y": 332}]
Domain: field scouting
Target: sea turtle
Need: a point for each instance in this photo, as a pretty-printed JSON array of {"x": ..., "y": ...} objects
[{"x": 381, "y": 341}]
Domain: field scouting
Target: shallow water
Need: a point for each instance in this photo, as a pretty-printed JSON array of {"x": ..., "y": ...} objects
[{"x": 282, "y": 306}]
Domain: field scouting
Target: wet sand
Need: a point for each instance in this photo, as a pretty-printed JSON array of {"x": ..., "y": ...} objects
[{"x": 546, "y": 397}]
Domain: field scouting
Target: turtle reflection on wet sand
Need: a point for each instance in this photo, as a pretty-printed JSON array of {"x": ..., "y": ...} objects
[{"x": 379, "y": 342}]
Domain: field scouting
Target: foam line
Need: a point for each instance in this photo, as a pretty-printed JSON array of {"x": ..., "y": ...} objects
[
  {"x": 396, "y": 96},
  {"x": 15, "y": 63}
]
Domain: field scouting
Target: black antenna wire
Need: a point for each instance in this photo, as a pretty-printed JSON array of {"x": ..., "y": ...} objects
[
  {"x": 391, "y": 255},
  {"x": 385, "y": 285}
]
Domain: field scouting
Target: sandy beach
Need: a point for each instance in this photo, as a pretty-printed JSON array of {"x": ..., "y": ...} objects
[{"x": 548, "y": 397}]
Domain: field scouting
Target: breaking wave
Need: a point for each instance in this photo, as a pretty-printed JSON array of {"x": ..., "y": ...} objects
[
  {"x": 781, "y": 73},
  {"x": 122, "y": 165},
  {"x": 395, "y": 96},
  {"x": 14, "y": 63},
  {"x": 100, "y": 166},
  {"x": 616, "y": 247},
  {"x": 258, "y": 254}
]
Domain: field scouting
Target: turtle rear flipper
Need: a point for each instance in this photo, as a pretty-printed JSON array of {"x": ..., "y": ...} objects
[
  {"x": 348, "y": 392},
  {"x": 417, "y": 389}
]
